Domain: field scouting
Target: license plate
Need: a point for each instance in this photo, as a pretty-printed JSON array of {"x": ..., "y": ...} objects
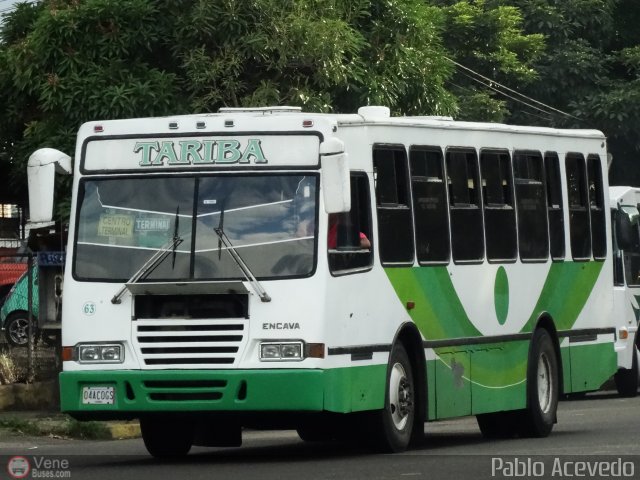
[{"x": 98, "y": 395}]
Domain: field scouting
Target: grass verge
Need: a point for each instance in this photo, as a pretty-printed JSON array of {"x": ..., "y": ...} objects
[{"x": 68, "y": 427}]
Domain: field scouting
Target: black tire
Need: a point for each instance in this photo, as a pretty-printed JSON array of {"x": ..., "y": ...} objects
[
  {"x": 16, "y": 328},
  {"x": 627, "y": 380},
  {"x": 393, "y": 425},
  {"x": 167, "y": 437},
  {"x": 542, "y": 387}
]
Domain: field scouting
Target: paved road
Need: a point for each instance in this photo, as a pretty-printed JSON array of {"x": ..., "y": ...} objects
[{"x": 601, "y": 428}]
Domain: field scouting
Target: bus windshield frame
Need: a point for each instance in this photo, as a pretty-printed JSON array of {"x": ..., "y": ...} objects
[{"x": 270, "y": 220}]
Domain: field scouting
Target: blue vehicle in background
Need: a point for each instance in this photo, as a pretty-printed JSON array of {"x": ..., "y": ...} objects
[
  {"x": 14, "y": 313},
  {"x": 46, "y": 305}
]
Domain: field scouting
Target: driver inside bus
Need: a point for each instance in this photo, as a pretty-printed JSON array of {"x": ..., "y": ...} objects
[{"x": 332, "y": 239}]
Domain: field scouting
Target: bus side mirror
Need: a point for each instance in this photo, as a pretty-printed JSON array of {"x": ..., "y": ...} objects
[
  {"x": 336, "y": 186},
  {"x": 626, "y": 233},
  {"x": 41, "y": 169}
]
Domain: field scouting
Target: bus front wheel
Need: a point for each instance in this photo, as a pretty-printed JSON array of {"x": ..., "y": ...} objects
[
  {"x": 167, "y": 437},
  {"x": 394, "y": 423},
  {"x": 542, "y": 387}
]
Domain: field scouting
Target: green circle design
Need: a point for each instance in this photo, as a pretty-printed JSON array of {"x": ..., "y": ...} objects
[{"x": 501, "y": 295}]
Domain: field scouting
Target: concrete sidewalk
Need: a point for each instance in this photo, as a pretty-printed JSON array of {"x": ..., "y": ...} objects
[
  {"x": 39, "y": 422},
  {"x": 34, "y": 409}
]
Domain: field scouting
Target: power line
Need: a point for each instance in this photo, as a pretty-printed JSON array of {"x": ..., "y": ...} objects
[
  {"x": 545, "y": 117},
  {"x": 509, "y": 96},
  {"x": 493, "y": 85}
]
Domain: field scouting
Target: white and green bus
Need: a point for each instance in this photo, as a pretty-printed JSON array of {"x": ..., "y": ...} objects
[
  {"x": 341, "y": 274},
  {"x": 625, "y": 202}
]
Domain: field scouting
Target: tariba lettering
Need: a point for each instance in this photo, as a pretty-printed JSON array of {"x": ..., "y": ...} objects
[
  {"x": 281, "y": 326},
  {"x": 199, "y": 152}
]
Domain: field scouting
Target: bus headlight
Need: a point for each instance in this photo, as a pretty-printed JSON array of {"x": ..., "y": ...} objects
[
  {"x": 281, "y": 351},
  {"x": 100, "y": 353}
]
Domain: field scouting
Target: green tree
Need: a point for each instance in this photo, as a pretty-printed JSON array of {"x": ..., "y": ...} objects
[
  {"x": 590, "y": 70},
  {"x": 486, "y": 40},
  {"x": 64, "y": 62}
]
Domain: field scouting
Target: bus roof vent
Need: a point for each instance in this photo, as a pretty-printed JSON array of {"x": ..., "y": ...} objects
[
  {"x": 374, "y": 111},
  {"x": 263, "y": 110}
]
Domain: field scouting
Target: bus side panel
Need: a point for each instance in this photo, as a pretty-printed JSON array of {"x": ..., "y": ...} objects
[
  {"x": 453, "y": 387},
  {"x": 354, "y": 389},
  {"x": 565, "y": 354},
  {"x": 431, "y": 389},
  {"x": 499, "y": 375},
  {"x": 591, "y": 365},
  {"x": 484, "y": 379}
]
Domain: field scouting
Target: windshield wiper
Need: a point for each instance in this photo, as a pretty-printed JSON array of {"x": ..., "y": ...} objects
[
  {"x": 246, "y": 271},
  {"x": 175, "y": 237},
  {"x": 152, "y": 263}
]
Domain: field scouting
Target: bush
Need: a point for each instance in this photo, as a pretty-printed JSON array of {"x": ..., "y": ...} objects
[{"x": 9, "y": 371}]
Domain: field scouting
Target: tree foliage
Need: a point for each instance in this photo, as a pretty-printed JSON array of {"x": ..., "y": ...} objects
[
  {"x": 486, "y": 37},
  {"x": 64, "y": 62},
  {"x": 590, "y": 70}
]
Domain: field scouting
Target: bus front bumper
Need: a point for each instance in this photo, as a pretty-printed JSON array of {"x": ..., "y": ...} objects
[{"x": 131, "y": 393}]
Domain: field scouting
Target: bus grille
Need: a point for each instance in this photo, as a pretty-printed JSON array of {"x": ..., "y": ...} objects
[{"x": 179, "y": 343}]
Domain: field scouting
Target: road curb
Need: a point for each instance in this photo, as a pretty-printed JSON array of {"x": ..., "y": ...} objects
[
  {"x": 122, "y": 431},
  {"x": 31, "y": 407}
]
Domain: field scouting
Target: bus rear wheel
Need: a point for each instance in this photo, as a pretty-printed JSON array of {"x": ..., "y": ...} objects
[
  {"x": 542, "y": 387},
  {"x": 167, "y": 437},
  {"x": 394, "y": 423}
]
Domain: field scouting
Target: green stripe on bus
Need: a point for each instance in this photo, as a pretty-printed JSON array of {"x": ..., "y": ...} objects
[
  {"x": 565, "y": 292},
  {"x": 494, "y": 375},
  {"x": 439, "y": 313}
]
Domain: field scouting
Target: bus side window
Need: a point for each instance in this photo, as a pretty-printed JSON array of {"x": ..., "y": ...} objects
[
  {"x": 578, "y": 207},
  {"x": 430, "y": 204},
  {"x": 499, "y": 212},
  {"x": 626, "y": 245},
  {"x": 531, "y": 204},
  {"x": 346, "y": 253},
  {"x": 618, "y": 265},
  {"x": 596, "y": 204},
  {"x": 467, "y": 238},
  {"x": 395, "y": 231},
  {"x": 555, "y": 205}
]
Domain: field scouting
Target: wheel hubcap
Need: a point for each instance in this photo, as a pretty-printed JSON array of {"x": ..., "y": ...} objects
[
  {"x": 545, "y": 387},
  {"x": 400, "y": 396},
  {"x": 19, "y": 330}
]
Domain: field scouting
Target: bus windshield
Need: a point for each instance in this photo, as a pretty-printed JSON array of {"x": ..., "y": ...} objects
[{"x": 269, "y": 219}]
